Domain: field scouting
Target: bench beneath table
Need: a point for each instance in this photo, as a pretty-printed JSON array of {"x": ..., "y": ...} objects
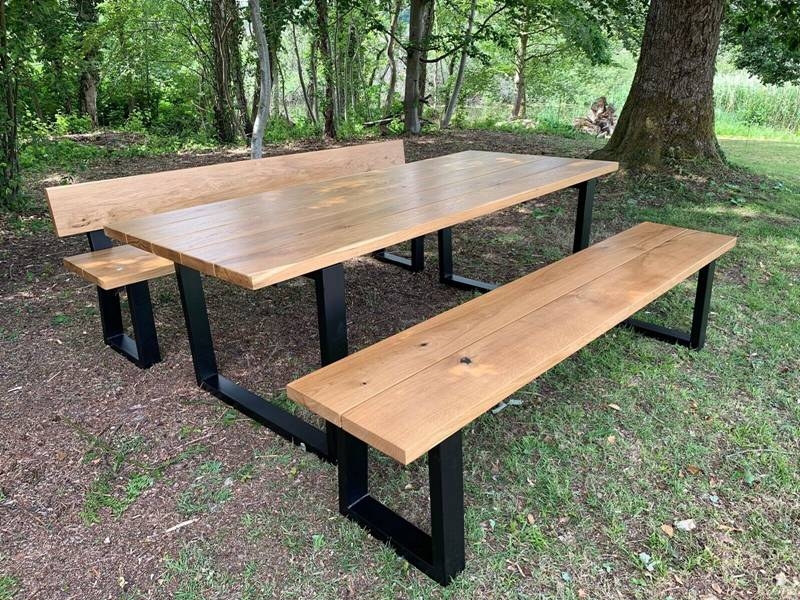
[
  {"x": 413, "y": 393},
  {"x": 88, "y": 207}
]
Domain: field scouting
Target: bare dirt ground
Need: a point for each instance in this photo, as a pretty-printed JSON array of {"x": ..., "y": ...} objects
[{"x": 99, "y": 461}]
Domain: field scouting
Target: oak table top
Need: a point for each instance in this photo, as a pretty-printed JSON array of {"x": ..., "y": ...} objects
[{"x": 262, "y": 239}]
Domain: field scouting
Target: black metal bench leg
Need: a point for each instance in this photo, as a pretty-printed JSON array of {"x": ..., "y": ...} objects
[
  {"x": 583, "y": 216},
  {"x": 446, "y": 275},
  {"x": 696, "y": 337},
  {"x": 415, "y": 264},
  {"x": 208, "y": 377},
  {"x": 440, "y": 554},
  {"x": 142, "y": 348}
]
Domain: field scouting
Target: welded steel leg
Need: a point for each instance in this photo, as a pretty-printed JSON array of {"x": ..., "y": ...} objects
[
  {"x": 440, "y": 554},
  {"x": 254, "y": 406},
  {"x": 144, "y": 326},
  {"x": 446, "y": 275},
  {"x": 332, "y": 319},
  {"x": 696, "y": 337},
  {"x": 141, "y": 349},
  {"x": 415, "y": 264},
  {"x": 583, "y": 217}
]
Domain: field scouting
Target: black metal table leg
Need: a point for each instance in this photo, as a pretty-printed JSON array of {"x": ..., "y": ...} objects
[
  {"x": 440, "y": 554},
  {"x": 415, "y": 264},
  {"x": 141, "y": 349},
  {"x": 583, "y": 217},
  {"x": 446, "y": 275},
  {"x": 333, "y": 343},
  {"x": 696, "y": 338}
]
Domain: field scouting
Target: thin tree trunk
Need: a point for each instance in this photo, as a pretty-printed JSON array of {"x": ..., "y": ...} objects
[
  {"x": 9, "y": 159},
  {"x": 462, "y": 65},
  {"x": 264, "y": 80},
  {"x": 392, "y": 60},
  {"x": 89, "y": 74},
  {"x": 220, "y": 23},
  {"x": 423, "y": 64},
  {"x": 416, "y": 32},
  {"x": 328, "y": 105},
  {"x": 303, "y": 88},
  {"x": 670, "y": 108},
  {"x": 234, "y": 41},
  {"x": 520, "y": 60}
]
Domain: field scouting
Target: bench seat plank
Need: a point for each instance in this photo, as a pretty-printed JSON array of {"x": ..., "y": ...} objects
[
  {"x": 118, "y": 266},
  {"x": 444, "y": 373}
]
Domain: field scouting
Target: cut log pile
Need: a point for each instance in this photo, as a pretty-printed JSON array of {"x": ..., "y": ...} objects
[{"x": 600, "y": 121}]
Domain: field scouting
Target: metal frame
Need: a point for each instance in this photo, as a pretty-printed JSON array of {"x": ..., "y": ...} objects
[
  {"x": 440, "y": 554},
  {"x": 331, "y": 314},
  {"x": 141, "y": 349},
  {"x": 694, "y": 339},
  {"x": 415, "y": 264},
  {"x": 583, "y": 229}
]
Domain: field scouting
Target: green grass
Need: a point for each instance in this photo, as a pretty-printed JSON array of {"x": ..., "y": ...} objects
[
  {"x": 9, "y": 586},
  {"x": 774, "y": 158}
]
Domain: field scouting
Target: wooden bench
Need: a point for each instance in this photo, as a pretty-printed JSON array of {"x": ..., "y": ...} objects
[
  {"x": 86, "y": 208},
  {"x": 413, "y": 393}
]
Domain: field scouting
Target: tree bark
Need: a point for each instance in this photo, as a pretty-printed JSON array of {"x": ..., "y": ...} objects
[
  {"x": 328, "y": 103},
  {"x": 520, "y": 104},
  {"x": 423, "y": 64},
  {"x": 234, "y": 41},
  {"x": 669, "y": 112},
  {"x": 462, "y": 65},
  {"x": 416, "y": 33},
  {"x": 89, "y": 75},
  {"x": 392, "y": 60},
  {"x": 220, "y": 28},
  {"x": 265, "y": 80},
  {"x": 9, "y": 159}
]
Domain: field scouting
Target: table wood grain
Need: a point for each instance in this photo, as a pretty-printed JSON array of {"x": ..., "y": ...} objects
[{"x": 262, "y": 239}]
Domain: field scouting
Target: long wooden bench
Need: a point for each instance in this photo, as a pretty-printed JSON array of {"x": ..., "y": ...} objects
[
  {"x": 85, "y": 208},
  {"x": 413, "y": 393}
]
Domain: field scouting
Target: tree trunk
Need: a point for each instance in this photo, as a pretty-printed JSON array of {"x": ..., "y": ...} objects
[
  {"x": 328, "y": 104},
  {"x": 520, "y": 104},
  {"x": 416, "y": 32},
  {"x": 264, "y": 80},
  {"x": 669, "y": 112},
  {"x": 89, "y": 75},
  {"x": 220, "y": 26},
  {"x": 392, "y": 60},
  {"x": 453, "y": 101},
  {"x": 9, "y": 158},
  {"x": 423, "y": 64},
  {"x": 306, "y": 97},
  {"x": 234, "y": 41}
]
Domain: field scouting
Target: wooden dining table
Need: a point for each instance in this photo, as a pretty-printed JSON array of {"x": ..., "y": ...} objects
[{"x": 311, "y": 229}]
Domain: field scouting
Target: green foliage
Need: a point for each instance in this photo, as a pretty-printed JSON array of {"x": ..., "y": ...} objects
[
  {"x": 765, "y": 37},
  {"x": 71, "y": 124},
  {"x": 9, "y": 586}
]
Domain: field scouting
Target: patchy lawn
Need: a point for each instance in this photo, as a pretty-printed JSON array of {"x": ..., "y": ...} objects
[{"x": 122, "y": 483}]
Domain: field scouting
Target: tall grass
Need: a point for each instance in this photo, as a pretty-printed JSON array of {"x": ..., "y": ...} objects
[{"x": 753, "y": 103}]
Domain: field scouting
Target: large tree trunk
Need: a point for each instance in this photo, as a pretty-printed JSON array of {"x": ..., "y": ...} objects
[
  {"x": 264, "y": 80},
  {"x": 423, "y": 62},
  {"x": 220, "y": 30},
  {"x": 670, "y": 109},
  {"x": 9, "y": 158},
  {"x": 328, "y": 104},
  {"x": 416, "y": 33},
  {"x": 453, "y": 101},
  {"x": 520, "y": 60},
  {"x": 89, "y": 75}
]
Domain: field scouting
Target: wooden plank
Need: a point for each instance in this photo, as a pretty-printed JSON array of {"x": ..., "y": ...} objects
[
  {"x": 256, "y": 242},
  {"x": 275, "y": 216},
  {"x": 411, "y": 416},
  {"x": 332, "y": 391},
  {"x": 89, "y": 206},
  {"x": 118, "y": 266}
]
